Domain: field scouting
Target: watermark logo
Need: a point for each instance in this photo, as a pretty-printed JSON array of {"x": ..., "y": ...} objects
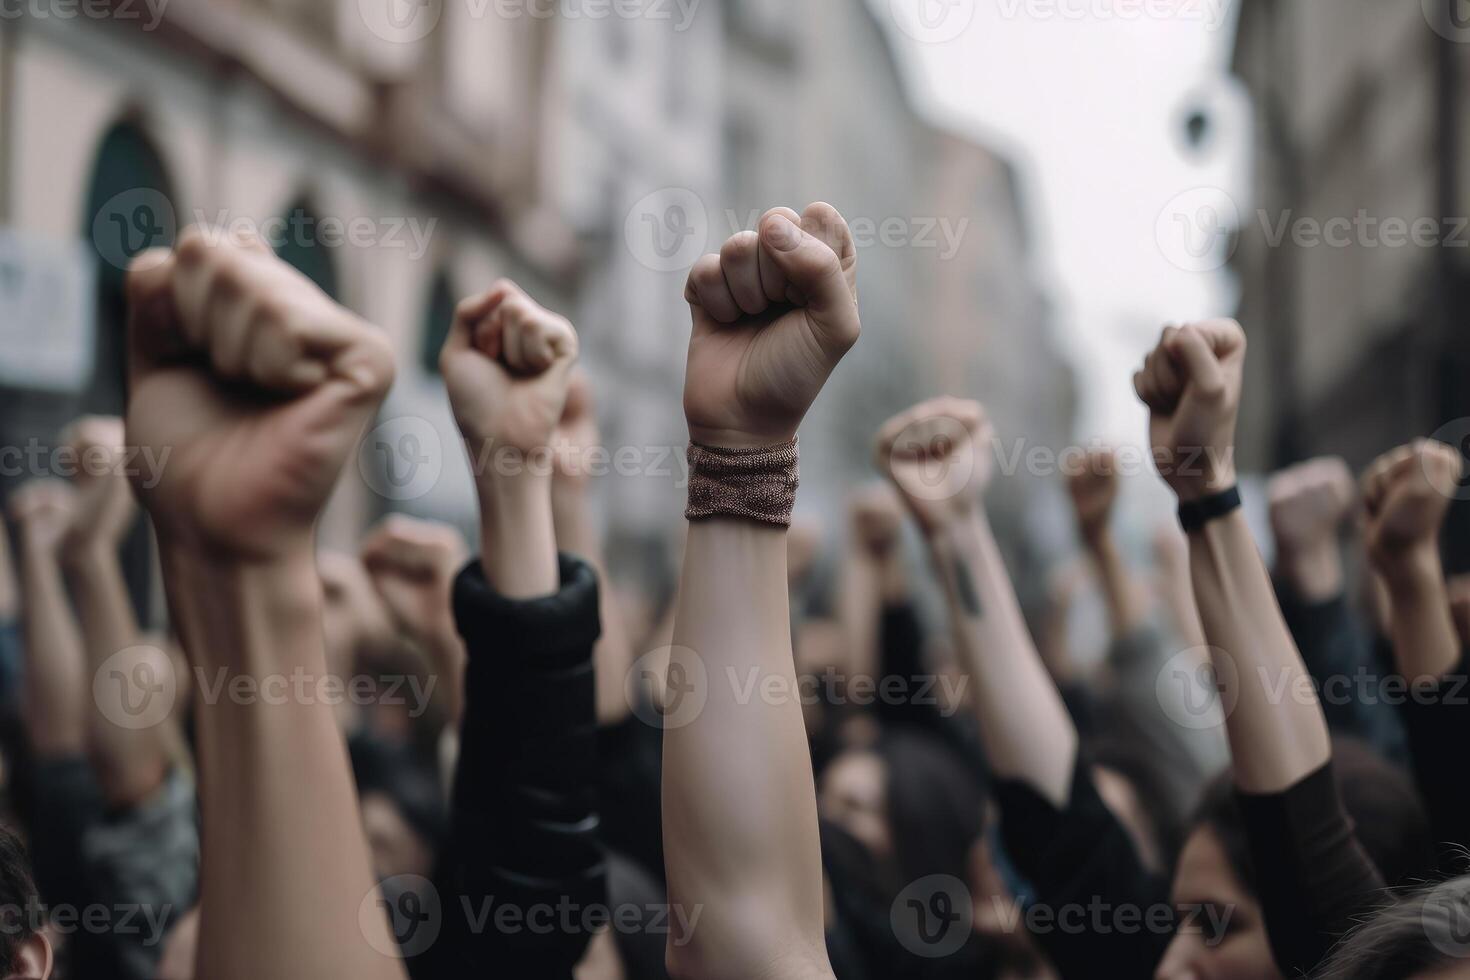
[
  {"x": 1455, "y": 434},
  {"x": 667, "y": 688},
  {"x": 667, "y": 230},
  {"x": 1446, "y": 918},
  {"x": 411, "y": 905},
  {"x": 132, "y": 222},
  {"x": 135, "y": 688},
  {"x": 933, "y": 21},
  {"x": 936, "y": 457},
  {"x": 1196, "y": 230},
  {"x": 1197, "y": 688},
  {"x": 402, "y": 459},
  {"x": 401, "y": 21},
  {"x": 933, "y": 917},
  {"x": 1450, "y": 19}
]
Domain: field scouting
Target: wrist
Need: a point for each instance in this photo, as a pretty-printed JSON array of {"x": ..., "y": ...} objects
[
  {"x": 88, "y": 553},
  {"x": 1313, "y": 569},
  {"x": 1217, "y": 478},
  {"x": 518, "y": 551},
  {"x": 1410, "y": 572}
]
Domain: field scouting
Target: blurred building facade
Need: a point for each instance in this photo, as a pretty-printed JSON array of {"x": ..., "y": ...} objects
[
  {"x": 408, "y": 154},
  {"x": 1354, "y": 255}
]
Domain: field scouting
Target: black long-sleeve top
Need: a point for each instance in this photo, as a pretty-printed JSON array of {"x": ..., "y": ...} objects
[
  {"x": 1437, "y": 721},
  {"x": 523, "y": 841},
  {"x": 1313, "y": 879}
]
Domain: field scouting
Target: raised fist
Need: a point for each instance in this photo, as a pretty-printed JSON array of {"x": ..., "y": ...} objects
[
  {"x": 1094, "y": 490},
  {"x": 877, "y": 520},
  {"x": 1309, "y": 502},
  {"x": 576, "y": 433},
  {"x": 773, "y": 314},
  {"x": 1191, "y": 384},
  {"x": 42, "y": 511},
  {"x": 256, "y": 384},
  {"x": 507, "y": 363},
  {"x": 104, "y": 503},
  {"x": 1404, "y": 507},
  {"x": 938, "y": 454},
  {"x": 413, "y": 564}
]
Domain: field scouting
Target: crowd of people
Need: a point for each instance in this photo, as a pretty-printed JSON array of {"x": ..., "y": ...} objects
[{"x": 410, "y": 762}]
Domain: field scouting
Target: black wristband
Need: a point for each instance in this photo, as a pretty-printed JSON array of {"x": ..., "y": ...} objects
[{"x": 1195, "y": 514}]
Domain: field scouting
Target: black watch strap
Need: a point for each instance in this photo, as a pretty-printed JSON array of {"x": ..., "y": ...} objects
[{"x": 1195, "y": 514}]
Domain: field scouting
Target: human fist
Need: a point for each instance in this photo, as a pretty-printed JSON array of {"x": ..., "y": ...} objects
[
  {"x": 938, "y": 455},
  {"x": 1309, "y": 501},
  {"x": 877, "y": 520},
  {"x": 1094, "y": 490},
  {"x": 576, "y": 433},
  {"x": 1404, "y": 507},
  {"x": 773, "y": 314},
  {"x": 507, "y": 363},
  {"x": 42, "y": 511},
  {"x": 257, "y": 385},
  {"x": 413, "y": 564},
  {"x": 105, "y": 507},
  {"x": 1191, "y": 384}
]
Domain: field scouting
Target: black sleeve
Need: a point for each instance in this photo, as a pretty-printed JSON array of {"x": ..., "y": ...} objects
[
  {"x": 1313, "y": 878},
  {"x": 629, "y": 781},
  {"x": 1437, "y": 720},
  {"x": 1339, "y": 655},
  {"x": 1080, "y": 859},
  {"x": 900, "y": 655},
  {"x": 523, "y": 878}
]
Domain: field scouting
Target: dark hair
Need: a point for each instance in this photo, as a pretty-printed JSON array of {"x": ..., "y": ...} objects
[
  {"x": 935, "y": 806},
  {"x": 1414, "y": 935},
  {"x": 1131, "y": 759},
  {"x": 1387, "y": 815},
  {"x": 18, "y": 899}
]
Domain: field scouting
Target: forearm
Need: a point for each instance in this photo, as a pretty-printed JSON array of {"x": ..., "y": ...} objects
[
  {"x": 1125, "y": 611},
  {"x": 55, "y": 707},
  {"x": 517, "y": 535},
  {"x": 131, "y": 762},
  {"x": 1425, "y": 642},
  {"x": 283, "y": 849},
  {"x": 1028, "y": 734},
  {"x": 740, "y": 822},
  {"x": 1275, "y": 726},
  {"x": 859, "y": 605},
  {"x": 1313, "y": 571},
  {"x": 577, "y": 534}
]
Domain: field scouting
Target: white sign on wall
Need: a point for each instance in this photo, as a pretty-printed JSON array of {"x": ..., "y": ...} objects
[{"x": 47, "y": 306}]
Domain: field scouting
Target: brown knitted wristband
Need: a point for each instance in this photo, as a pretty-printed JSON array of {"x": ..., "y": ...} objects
[{"x": 758, "y": 484}]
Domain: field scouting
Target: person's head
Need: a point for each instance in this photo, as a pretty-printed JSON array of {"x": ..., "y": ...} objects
[
  {"x": 1418, "y": 937},
  {"x": 1129, "y": 782},
  {"x": 1222, "y": 932},
  {"x": 402, "y": 809},
  {"x": 25, "y": 952}
]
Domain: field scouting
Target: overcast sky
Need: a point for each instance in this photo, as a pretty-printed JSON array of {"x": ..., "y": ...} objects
[{"x": 1089, "y": 98}]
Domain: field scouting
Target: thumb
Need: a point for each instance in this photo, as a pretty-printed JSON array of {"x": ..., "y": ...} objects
[
  {"x": 1191, "y": 350},
  {"x": 811, "y": 266}
]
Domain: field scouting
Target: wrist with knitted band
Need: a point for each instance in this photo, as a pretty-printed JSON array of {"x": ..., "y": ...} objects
[{"x": 754, "y": 484}]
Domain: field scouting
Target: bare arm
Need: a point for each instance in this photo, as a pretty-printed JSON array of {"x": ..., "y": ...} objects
[
  {"x": 740, "y": 817},
  {"x": 1406, "y": 506},
  {"x": 872, "y": 576},
  {"x": 1094, "y": 490},
  {"x": 1028, "y": 734},
  {"x": 55, "y": 699},
  {"x": 577, "y": 533},
  {"x": 131, "y": 760},
  {"x": 283, "y": 851},
  {"x": 1191, "y": 382}
]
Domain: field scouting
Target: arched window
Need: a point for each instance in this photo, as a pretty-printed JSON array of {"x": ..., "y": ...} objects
[
  {"x": 438, "y": 317},
  {"x": 298, "y": 242},
  {"x": 129, "y": 209}
]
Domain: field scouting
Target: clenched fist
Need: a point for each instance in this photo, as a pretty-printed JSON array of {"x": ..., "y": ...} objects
[
  {"x": 938, "y": 455},
  {"x": 1094, "y": 490},
  {"x": 1309, "y": 501},
  {"x": 576, "y": 433},
  {"x": 43, "y": 511},
  {"x": 412, "y": 564},
  {"x": 1191, "y": 384},
  {"x": 255, "y": 383},
  {"x": 773, "y": 314},
  {"x": 1404, "y": 508},
  {"x": 104, "y": 503},
  {"x": 506, "y": 364}
]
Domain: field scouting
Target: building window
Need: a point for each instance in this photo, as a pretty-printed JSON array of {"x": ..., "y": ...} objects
[
  {"x": 299, "y": 245},
  {"x": 438, "y": 318},
  {"x": 129, "y": 210}
]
